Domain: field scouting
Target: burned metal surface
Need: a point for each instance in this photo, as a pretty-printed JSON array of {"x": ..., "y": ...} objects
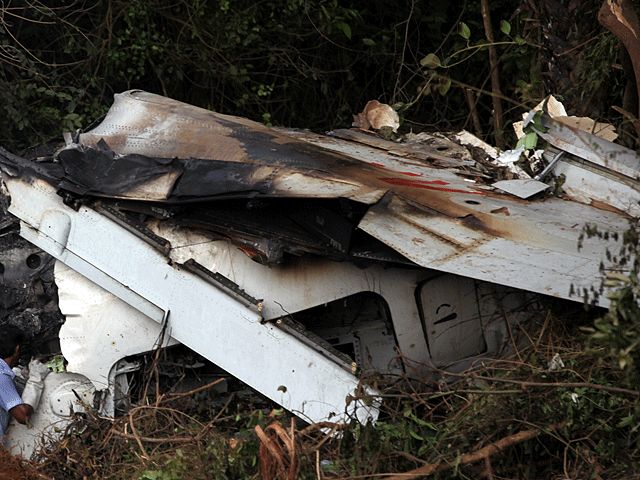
[
  {"x": 28, "y": 294},
  {"x": 276, "y": 193},
  {"x": 158, "y": 213}
]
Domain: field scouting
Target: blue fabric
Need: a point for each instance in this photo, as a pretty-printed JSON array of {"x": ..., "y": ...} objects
[{"x": 9, "y": 396}]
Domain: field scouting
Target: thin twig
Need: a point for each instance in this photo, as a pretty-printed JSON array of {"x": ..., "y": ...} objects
[
  {"x": 473, "y": 110},
  {"x": 318, "y": 470},
  {"x": 488, "y": 469},
  {"x": 525, "y": 383},
  {"x": 404, "y": 48},
  {"x": 139, "y": 438},
  {"x": 485, "y": 452},
  {"x": 174, "y": 396}
]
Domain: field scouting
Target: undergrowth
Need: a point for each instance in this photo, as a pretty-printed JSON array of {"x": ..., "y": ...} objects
[{"x": 558, "y": 408}]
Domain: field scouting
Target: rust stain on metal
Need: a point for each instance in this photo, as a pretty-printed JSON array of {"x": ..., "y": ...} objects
[
  {"x": 202, "y": 155},
  {"x": 609, "y": 208},
  {"x": 502, "y": 211}
]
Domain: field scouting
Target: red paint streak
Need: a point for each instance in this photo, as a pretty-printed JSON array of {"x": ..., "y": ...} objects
[{"x": 428, "y": 185}]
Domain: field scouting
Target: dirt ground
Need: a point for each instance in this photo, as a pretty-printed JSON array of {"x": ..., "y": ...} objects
[{"x": 14, "y": 468}]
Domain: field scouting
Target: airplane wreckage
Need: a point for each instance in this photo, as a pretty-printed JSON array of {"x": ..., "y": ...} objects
[{"x": 297, "y": 262}]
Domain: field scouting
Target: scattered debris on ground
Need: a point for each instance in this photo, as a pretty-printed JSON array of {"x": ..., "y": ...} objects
[
  {"x": 516, "y": 417},
  {"x": 16, "y": 468}
]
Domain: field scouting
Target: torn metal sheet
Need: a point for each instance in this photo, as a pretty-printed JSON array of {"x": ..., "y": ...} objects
[
  {"x": 525, "y": 188},
  {"x": 509, "y": 158},
  {"x": 588, "y": 183},
  {"x": 531, "y": 246},
  {"x": 528, "y": 187},
  {"x": 100, "y": 329},
  {"x": 439, "y": 218},
  {"x": 467, "y": 138},
  {"x": 598, "y": 172},
  {"x": 429, "y": 149},
  {"x": 293, "y": 373},
  {"x": 555, "y": 109},
  {"x": 593, "y": 148}
]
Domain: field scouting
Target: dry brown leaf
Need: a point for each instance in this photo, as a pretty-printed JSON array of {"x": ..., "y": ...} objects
[{"x": 377, "y": 115}]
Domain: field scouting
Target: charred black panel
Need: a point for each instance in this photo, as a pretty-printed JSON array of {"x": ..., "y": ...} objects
[
  {"x": 270, "y": 148},
  {"x": 203, "y": 179},
  {"x": 28, "y": 294},
  {"x": 275, "y": 226},
  {"x": 100, "y": 171}
]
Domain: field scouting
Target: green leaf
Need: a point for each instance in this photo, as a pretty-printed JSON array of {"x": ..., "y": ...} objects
[
  {"x": 505, "y": 27},
  {"x": 56, "y": 364},
  {"x": 464, "y": 31},
  {"x": 626, "y": 421},
  {"x": 344, "y": 28},
  {"x": 530, "y": 141},
  {"x": 444, "y": 87},
  {"x": 415, "y": 435},
  {"x": 520, "y": 40},
  {"x": 431, "y": 61},
  {"x": 422, "y": 423},
  {"x": 368, "y": 42}
]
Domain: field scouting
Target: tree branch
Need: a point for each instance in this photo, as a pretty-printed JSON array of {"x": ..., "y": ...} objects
[
  {"x": 620, "y": 18},
  {"x": 478, "y": 455},
  {"x": 495, "y": 76}
]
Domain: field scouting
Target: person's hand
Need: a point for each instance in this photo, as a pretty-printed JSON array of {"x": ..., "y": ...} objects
[{"x": 37, "y": 371}]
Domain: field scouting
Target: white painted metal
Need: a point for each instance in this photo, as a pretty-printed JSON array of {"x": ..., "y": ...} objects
[
  {"x": 307, "y": 282},
  {"x": 52, "y": 415},
  {"x": 524, "y": 188},
  {"x": 465, "y": 319},
  {"x": 541, "y": 257},
  {"x": 148, "y": 124},
  {"x": 99, "y": 329},
  {"x": 591, "y": 147},
  {"x": 202, "y": 317},
  {"x": 587, "y": 184},
  {"x": 527, "y": 245},
  {"x": 388, "y": 164},
  {"x": 526, "y": 234},
  {"x": 452, "y": 318}
]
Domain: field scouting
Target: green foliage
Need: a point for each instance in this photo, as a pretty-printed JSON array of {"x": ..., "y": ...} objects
[
  {"x": 292, "y": 62},
  {"x": 594, "y": 74},
  {"x": 618, "y": 330},
  {"x": 585, "y": 431},
  {"x": 217, "y": 460},
  {"x": 587, "y": 427},
  {"x": 460, "y": 63},
  {"x": 309, "y": 64}
]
